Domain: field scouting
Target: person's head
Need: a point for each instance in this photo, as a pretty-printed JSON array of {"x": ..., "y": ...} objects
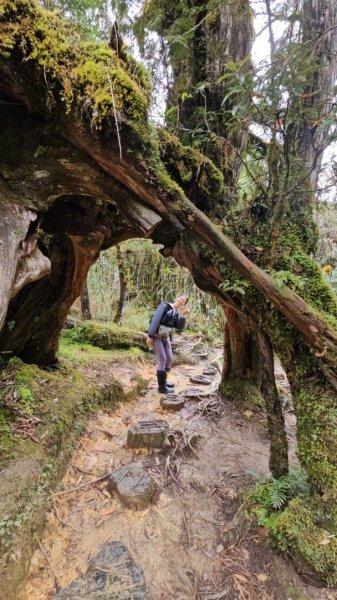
[{"x": 180, "y": 301}]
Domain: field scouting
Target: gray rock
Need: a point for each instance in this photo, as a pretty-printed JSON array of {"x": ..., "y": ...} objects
[
  {"x": 172, "y": 402},
  {"x": 112, "y": 575},
  {"x": 148, "y": 434},
  {"x": 133, "y": 485}
]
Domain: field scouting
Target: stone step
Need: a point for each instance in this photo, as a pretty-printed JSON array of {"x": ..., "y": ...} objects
[
  {"x": 133, "y": 486},
  {"x": 172, "y": 402},
  {"x": 201, "y": 379},
  {"x": 203, "y": 354},
  {"x": 196, "y": 393},
  {"x": 112, "y": 575},
  {"x": 148, "y": 434},
  {"x": 210, "y": 371}
]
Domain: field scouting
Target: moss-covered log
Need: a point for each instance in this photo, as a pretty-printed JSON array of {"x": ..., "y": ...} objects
[{"x": 106, "y": 337}]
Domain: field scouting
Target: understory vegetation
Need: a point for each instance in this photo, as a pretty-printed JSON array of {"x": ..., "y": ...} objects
[{"x": 149, "y": 279}]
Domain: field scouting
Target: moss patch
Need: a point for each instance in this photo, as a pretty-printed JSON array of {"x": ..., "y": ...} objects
[
  {"x": 243, "y": 393},
  {"x": 301, "y": 531}
]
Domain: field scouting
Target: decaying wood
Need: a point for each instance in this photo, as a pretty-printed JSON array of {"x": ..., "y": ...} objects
[{"x": 20, "y": 261}]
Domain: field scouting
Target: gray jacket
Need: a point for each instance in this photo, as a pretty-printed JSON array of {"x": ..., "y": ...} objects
[{"x": 159, "y": 315}]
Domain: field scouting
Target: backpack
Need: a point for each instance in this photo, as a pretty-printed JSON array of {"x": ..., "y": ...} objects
[{"x": 169, "y": 318}]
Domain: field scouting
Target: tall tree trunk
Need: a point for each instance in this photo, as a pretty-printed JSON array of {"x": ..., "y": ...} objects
[
  {"x": 85, "y": 302},
  {"x": 319, "y": 37},
  {"x": 123, "y": 282}
]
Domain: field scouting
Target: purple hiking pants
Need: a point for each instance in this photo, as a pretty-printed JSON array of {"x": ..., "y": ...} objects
[{"x": 163, "y": 350}]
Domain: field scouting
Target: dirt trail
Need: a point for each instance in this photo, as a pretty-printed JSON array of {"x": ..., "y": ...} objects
[{"x": 178, "y": 541}]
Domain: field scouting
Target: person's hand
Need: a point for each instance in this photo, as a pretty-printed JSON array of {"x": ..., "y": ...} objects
[
  {"x": 185, "y": 311},
  {"x": 149, "y": 341}
]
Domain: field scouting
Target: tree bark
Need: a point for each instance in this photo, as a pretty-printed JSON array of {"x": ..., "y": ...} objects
[
  {"x": 239, "y": 348},
  {"x": 319, "y": 36}
]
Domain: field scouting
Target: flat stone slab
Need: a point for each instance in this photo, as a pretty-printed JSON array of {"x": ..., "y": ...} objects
[
  {"x": 196, "y": 393},
  {"x": 201, "y": 379},
  {"x": 203, "y": 354},
  {"x": 172, "y": 402},
  {"x": 112, "y": 575},
  {"x": 133, "y": 486},
  {"x": 209, "y": 371},
  {"x": 148, "y": 434}
]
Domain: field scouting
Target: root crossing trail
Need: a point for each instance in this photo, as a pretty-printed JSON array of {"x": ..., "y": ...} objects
[{"x": 178, "y": 541}]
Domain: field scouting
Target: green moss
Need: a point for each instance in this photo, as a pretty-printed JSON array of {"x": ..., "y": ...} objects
[
  {"x": 243, "y": 393},
  {"x": 194, "y": 172},
  {"x": 297, "y": 531},
  {"x": 83, "y": 76}
]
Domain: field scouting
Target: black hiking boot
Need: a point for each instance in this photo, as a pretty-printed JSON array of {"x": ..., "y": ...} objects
[
  {"x": 162, "y": 387},
  {"x": 168, "y": 384}
]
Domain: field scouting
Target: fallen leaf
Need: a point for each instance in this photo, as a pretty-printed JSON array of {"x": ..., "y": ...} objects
[
  {"x": 324, "y": 542},
  {"x": 219, "y": 549},
  {"x": 248, "y": 413},
  {"x": 262, "y": 577},
  {"x": 241, "y": 578},
  {"x": 106, "y": 512},
  {"x": 232, "y": 494},
  {"x": 263, "y": 532}
]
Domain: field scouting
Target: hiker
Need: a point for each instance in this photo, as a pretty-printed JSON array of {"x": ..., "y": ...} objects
[{"x": 165, "y": 318}]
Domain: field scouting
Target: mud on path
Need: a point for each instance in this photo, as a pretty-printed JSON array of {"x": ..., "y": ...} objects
[{"x": 187, "y": 543}]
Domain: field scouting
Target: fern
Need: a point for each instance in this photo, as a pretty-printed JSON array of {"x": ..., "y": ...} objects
[{"x": 278, "y": 492}]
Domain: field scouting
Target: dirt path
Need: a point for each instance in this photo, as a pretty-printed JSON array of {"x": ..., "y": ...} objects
[{"x": 179, "y": 540}]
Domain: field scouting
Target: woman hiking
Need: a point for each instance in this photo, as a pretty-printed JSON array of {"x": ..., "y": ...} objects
[{"x": 165, "y": 318}]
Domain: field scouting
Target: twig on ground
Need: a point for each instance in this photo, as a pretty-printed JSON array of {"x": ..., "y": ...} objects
[
  {"x": 183, "y": 514},
  {"x": 81, "y": 470},
  {"x": 62, "y": 521},
  {"x": 56, "y": 579},
  {"x": 79, "y": 487}
]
